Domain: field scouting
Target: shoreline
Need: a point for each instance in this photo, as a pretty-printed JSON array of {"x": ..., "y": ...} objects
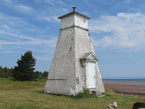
[
  {"x": 132, "y": 89},
  {"x": 126, "y": 82}
]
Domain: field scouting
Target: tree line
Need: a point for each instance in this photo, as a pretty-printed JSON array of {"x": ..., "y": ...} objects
[{"x": 24, "y": 71}]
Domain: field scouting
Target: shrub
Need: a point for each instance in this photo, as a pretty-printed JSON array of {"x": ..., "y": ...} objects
[
  {"x": 84, "y": 94},
  {"x": 5, "y": 72}
]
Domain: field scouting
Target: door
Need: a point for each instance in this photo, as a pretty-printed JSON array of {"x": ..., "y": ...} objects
[{"x": 90, "y": 75}]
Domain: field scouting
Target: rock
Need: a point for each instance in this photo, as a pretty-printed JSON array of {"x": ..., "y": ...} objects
[
  {"x": 112, "y": 106},
  {"x": 115, "y": 104}
]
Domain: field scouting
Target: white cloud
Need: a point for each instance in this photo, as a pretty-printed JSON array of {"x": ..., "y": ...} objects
[
  {"x": 13, "y": 25},
  {"x": 49, "y": 18},
  {"x": 24, "y": 8},
  {"x": 8, "y": 1},
  {"x": 16, "y": 32},
  {"x": 61, "y": 2},
  {"x": 16, "y": 35},
  {"x": 1, "y": 47},
  {"x": 49, "y": 1},
  {"x": 29, "y": 41},
  {"x": 42, "y": 58},
  {"x": 45, "y": 1},
  {"x": 127, "y": 1},
  {"x": 19, "y": 7},
  {"x": 125, "y": 30}
]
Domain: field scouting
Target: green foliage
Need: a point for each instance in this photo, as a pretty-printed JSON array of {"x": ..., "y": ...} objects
[
  {"x": 45, "y": 74},
  {"x": 25, "y": 69},
  {"x": 37, "y": 75},
  {"x": 5, "y": 72},
  {"x": 40, "y": 75},
  {"x": 84, "y": 94}
]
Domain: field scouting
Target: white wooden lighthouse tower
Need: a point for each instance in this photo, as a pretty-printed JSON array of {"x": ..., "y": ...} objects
[{"x": 74, "y": 65}]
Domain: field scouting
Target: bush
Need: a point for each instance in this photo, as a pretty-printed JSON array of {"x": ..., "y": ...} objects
[
  {"x": 40, "y": 75},
  {"x": 84, "y": 94},
  {"x": 45, "y": 74},
  {"x": 5, "y": 72}
]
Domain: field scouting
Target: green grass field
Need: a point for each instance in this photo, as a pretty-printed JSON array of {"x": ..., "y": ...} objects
[{"x": 30, "y": 95}]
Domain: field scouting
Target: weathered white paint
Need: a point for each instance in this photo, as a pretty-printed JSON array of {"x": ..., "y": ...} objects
[
  {"x": 67, "y": 22},
  {"x": 67, "y": 75},
  {"x": 98, "y": 69},
  {"x": 90, "y": 75},
  {"x": 74, "y": 20},
  {"x": 81, "y": 21}
]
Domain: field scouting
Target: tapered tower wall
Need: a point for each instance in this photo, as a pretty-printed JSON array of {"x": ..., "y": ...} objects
[
  {"x": 62, "y": 70},
  {"x": 67, "y": 75}
]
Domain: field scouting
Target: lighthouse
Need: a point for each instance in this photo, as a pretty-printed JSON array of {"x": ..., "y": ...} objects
[{"x": 74, "y": 65}]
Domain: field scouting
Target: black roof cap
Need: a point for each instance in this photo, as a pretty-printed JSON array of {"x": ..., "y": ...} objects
[{"x": 72, "y": 13}]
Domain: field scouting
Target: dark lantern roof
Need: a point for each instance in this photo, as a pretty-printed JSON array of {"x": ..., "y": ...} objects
[{"x": 72, "y": 13}]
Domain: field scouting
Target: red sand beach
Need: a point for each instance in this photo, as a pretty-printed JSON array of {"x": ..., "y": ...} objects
[{"x": 126, "y": 88}]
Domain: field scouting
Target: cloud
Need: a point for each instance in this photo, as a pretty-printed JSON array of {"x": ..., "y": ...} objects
[
  {"x": 127, "y": 1},
  {"x": 8, "y": 1},
  {"x": 45, "y": 1},
  {"x": 19, "y": 7},
  {"x": 16, "y": 35},
  {"x": 1, "y": 47},
  {"x": 42, "y": 58},
  {"x": 125, "y": 30},
  {"x": 24, "y": 8},
  {"x": 48, "y": 18},
  {"x": 50, "y": 1},
  {"x": 12, "y": 25},
  {"x": 29, "y": 41}
]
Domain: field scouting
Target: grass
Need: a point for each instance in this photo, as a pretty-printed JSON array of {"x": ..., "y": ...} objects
[{"x": 30, "y": 95}]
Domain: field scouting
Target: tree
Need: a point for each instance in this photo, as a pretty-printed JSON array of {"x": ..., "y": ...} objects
[
  {"x": 45, "y": 74},
  {"x": 5, "y": 72},
  {"x": 25, "y": 69},
  {"x": 38, "y": 74}
]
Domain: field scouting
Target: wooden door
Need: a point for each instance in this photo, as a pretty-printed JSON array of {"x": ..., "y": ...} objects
[{"x": 90, "y": 75}]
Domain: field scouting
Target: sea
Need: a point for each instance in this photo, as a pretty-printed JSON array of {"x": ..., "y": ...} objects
[{"x": 125, "y": 81}]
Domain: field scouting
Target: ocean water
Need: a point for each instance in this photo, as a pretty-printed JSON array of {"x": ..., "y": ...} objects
[{"x": 125, "y": 81}]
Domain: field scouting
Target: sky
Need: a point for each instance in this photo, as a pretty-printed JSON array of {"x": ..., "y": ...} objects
[{"x": 116, "y": 27}]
